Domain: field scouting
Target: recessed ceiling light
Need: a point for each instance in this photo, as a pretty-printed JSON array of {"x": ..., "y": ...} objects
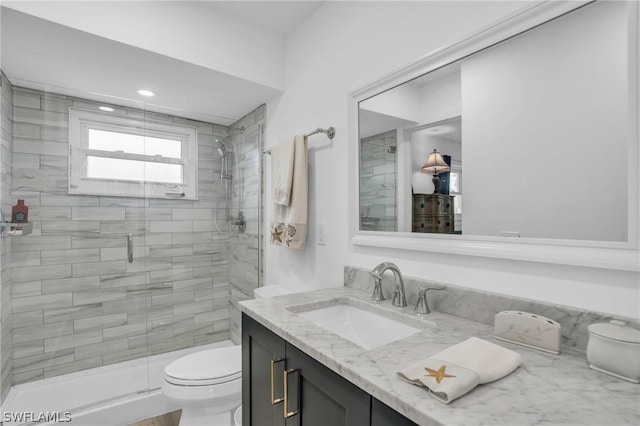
[
  {"x": 106, "y": 108},
  {"x": 145, "y": 92}
]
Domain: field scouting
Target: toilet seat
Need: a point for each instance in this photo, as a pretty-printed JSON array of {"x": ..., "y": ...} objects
[{"x": 205, "y": 368}]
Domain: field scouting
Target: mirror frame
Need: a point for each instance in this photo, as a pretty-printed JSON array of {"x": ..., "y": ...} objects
[{"x": 622, "y": 256}]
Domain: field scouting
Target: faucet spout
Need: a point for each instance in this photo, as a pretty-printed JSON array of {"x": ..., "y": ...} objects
[{"x": 399, "y": 298}]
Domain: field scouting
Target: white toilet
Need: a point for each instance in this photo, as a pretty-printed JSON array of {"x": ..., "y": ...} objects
[{"x": 207, "y": 385}]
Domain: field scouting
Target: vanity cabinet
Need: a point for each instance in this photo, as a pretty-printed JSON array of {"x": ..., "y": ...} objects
[
  {"x": 433, "y": 213},
  {"x": 315, "y": 395}
]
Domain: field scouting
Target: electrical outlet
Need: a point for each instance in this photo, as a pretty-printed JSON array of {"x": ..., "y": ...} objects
[{"x": 321, "y": 236}]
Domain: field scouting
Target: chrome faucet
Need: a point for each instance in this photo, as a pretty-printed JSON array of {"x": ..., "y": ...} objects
[
  {"x": 398, "y": 294},
  {"x": 422, "y": 307}
]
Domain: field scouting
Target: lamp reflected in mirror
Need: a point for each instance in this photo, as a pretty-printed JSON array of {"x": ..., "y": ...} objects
[{"x": 435, "y": 164}]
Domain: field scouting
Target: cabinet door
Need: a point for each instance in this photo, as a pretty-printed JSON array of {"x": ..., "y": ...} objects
[
  {"x": 382, "y": 415},
  {"x": 320, "y": 396},
  {"x": 261, "y": 375}
]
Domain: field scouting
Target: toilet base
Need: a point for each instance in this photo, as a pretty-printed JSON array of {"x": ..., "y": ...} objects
[{"x": 201, "y": 407}]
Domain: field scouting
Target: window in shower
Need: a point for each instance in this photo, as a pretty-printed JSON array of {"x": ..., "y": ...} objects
[{"x": 113, "y": 155}]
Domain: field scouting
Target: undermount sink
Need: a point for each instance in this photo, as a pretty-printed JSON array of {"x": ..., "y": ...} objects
[{"x": 364, "y": 328}]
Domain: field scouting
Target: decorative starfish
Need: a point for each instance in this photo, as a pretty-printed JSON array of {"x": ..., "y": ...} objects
[
  {"x": 276, "y": 234},
  {"x": 438, "y": 374}
]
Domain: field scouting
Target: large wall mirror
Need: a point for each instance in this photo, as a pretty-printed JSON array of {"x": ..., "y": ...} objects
[{"x": 532, "y": 137}]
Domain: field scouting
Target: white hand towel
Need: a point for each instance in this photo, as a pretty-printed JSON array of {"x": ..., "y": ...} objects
[
  {"x": 282, "y": 172},
  {"x": 289, "y": 223},
  {"x": 453, "y": 372}
]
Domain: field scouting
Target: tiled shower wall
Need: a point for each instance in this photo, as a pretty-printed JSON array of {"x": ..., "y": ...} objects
[
  {"x": 76, "y": 302},
  {"x": 378, "y": 209},
  {"x": 246, "y": 249},
  {"x": 6, "y": 343}
]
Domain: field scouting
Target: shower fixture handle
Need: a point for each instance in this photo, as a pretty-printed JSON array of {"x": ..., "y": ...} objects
[
  {"x": 239, "y": 221},
  {"x": 130, "y": 247}
]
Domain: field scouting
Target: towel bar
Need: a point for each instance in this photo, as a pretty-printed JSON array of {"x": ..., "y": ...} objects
[{"x": 330, "y": 132}]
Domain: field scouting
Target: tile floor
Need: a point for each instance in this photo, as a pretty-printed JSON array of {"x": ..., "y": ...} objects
[{"x": 169, "y": 419}]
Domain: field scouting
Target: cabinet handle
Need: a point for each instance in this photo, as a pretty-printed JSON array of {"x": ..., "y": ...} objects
[
  {"x": 288, "y": 413},
  {"x": 275, "y": 400}
]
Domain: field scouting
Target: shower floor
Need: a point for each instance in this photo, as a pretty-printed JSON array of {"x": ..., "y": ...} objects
[{"x": 113, "y": 395}]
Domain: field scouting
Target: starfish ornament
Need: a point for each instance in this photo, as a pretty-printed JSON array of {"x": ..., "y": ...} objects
[
  {"x": 438, "y": 374},
  {"x": 276, "y": 234}
]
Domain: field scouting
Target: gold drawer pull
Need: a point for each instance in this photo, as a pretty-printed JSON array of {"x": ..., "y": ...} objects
[
  {"x": 275, "y": 400},
  {"x": 288, "y": 413}
]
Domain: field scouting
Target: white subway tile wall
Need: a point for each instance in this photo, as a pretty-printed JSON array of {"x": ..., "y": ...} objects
[{"x": 76, "y": 302}]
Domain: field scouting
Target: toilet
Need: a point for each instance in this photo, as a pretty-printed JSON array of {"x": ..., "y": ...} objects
[{"x": 207, "y": 385}]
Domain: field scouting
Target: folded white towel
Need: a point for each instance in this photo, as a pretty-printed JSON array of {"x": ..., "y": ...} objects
[
  {"x": 289, "y": 223},
  {"x": 453, "y": 372},
  {"x": 282, "y": 172}
]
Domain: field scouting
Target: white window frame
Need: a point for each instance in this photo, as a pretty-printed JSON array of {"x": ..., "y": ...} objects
[{"x": 82, "y": 120}]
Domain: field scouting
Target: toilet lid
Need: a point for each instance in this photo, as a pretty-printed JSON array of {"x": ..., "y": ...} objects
[{"x": 209, "y": 367}]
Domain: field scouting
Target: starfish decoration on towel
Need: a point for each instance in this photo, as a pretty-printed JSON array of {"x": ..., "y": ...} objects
[
  {"x": 438, "y": 374},
  {"x": 276, "y": 234}
]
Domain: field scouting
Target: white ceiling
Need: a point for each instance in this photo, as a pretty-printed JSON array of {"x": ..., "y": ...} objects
[{"x": 43, "y": 55}]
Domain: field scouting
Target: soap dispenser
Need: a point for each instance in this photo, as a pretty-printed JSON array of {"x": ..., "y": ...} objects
[{"x": 20, "y": 213}]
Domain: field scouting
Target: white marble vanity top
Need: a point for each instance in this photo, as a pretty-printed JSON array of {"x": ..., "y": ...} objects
[{"x": 545, "y": 390}]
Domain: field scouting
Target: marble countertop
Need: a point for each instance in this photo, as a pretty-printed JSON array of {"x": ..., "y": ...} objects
[{"x": 545, "y": 390}]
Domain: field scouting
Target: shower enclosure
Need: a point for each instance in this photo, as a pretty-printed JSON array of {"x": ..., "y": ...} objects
[{"x": 102, "y": 279}]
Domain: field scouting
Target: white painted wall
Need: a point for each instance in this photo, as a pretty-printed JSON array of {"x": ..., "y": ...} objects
[
  {"x": 539, "y": 145},
  {"x": 441, "y": 99},
  {"x": 343, "y": 47},
  {"x": 172, "y": 28}
]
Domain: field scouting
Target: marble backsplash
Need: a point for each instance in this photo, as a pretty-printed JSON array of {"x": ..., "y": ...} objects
[{"x": 482, "y": 306}]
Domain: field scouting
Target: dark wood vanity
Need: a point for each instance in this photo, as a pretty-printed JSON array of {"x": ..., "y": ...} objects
[{"x": 313, "y": 394}]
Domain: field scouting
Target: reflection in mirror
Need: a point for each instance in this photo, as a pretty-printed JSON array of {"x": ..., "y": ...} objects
[
  {"x": 378, "y": 182},
  {"x": 541, "y": 121}
]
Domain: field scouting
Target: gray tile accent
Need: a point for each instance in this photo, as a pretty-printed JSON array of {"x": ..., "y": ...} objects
[
  {"x": 100, "y": 349},
  {"x": 40, "y": 332},
  {"x": 52, "y": 257},
  {"x": 28, "y": 319},
  {"x": 29, "y": 288},
  {"x": 71, "y": 313},
  {"x": 98, "y": 213},
  {"x": 47, "y": 301},
  {"x": 28, "y": 349},
  {"x": 70, "y": 285},
  {"x": 98, "y": 268}
]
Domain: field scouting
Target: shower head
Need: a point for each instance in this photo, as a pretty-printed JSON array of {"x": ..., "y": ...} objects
[{"x": 222, "y": 148}]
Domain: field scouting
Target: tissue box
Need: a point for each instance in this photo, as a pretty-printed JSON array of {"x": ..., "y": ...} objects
[{"x": 614, "y": 349}]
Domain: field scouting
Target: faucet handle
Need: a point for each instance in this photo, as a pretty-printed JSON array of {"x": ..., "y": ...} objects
[
  {"x": 397, "y": 298},
  {"x": 422, "y": 306},
  {"x": 377, "y": 290}
]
